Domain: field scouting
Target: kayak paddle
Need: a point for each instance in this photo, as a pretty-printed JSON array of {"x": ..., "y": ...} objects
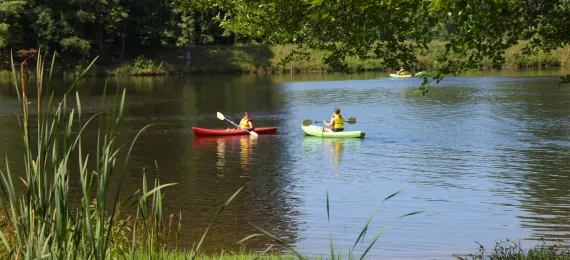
[
  {"x": 221, "y": 117},
  {"x": 308, "y": 122}
]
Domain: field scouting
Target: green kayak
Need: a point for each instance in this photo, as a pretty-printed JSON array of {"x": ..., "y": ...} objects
[
  {"x": 407, "y": 75},
  {"x": 318, "y": 131},
  {"x": 400, "y": 76}
]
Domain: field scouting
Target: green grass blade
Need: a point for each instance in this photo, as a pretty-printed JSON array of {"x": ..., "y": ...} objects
[
  {"x": 15, "y": 77},
  {"x": 121, "y": 107},
  {"x": 127, "y": 160},
  {"x": 50, "y": 72},
  {"x": 157, "y": 189},
  {"x": 328, "y": 208},
  {"x": 280, "y": 241},
  {"x": 374, "y": 241},
  {"x": 340, "y": 251},
  {"x": 81, "y": 76},
  {"x": 412, "y": 213},
  {"x": 214, "y": 219},
  {"x": 38, "y": 63},
  {"x": 365, "y": 228},
  {"x": 80, "y": 134},
  {"x": 136, "y": 138},
  {"x": 246, "y": 239},
  {"x": 392, "y": 195},
  {"x": 330, "y": 232},
  {"x": 10, "y": 193},
  {"x": 179, "y": 231},
  {"x": 78, "y": 106},
  {"x": 134, "y": 235},
  {"x": 125, "y": 164},
  {"x": 266, "y": 250},
  {"x": 5, "y": 242},
  {"x": 100, "y": 121}
]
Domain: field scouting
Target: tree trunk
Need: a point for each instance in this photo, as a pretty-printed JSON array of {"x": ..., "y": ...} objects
[
  {"x": 99, "y": 39},
  {"x": 124, "y": 41}
]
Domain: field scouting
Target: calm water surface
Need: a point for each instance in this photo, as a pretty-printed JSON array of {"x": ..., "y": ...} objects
[{"x": 486, "y": 156}]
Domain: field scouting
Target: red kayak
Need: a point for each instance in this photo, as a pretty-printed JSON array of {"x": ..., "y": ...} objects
[{"x": 219, "y": 132}]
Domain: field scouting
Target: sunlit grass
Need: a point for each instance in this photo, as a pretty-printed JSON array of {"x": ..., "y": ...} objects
[
  {"x": 224, "y": 254},
  {"x": 262, "y": 58},
  {"x": 509, "y": 250}
]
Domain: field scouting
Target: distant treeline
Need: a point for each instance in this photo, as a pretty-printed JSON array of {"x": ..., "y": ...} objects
[
  {"x": 79, "y": 30},
  {"x": 108, "y": 28}
]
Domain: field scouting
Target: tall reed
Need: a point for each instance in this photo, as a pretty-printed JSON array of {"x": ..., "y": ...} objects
[{"x": 43, "y": 222}]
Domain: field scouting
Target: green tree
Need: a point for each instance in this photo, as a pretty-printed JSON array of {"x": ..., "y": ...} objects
[
  {"x": 107, "y": 27},
  {"x": 11, "y": 31},
  {"x": 396, "y": 30},
  {"x": 102, "y": 21}
]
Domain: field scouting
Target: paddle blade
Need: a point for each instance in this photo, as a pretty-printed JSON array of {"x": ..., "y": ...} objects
[
  {"x": 252, "y": 133},
  {"x": 220, "y": 116},
  {"x": 351, "y": 120},
  {"x": 307, "y": 122}
]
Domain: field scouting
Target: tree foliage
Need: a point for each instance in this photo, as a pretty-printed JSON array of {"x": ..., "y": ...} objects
[
  {"x": 396, "y": 31},
  {"x": 105, "y": 27}
]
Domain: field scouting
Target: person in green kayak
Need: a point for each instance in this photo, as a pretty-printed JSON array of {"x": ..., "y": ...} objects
[
  {"x": 336, "y": 124},
  {"x": 245, "y": 122},
  {"x": 401, "y": 71}
]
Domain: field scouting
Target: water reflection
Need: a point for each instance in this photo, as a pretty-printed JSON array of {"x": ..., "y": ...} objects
[
  {"x": 266, "y": 199},
  {"x": 545, "y": 191},
  {"x": 246, "y": 149},
  {"x": 221, "y": 151},
  {"x": 538, "y": 118},
  {"x": 243, "y": 145},
  {"x": 329, "y": 149},
  {"x": 337, "y": 149}
]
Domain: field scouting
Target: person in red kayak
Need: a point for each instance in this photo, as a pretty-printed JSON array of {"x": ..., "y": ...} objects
[
  {"x": 245, "y": 122},
  {"x": 337, "y": 122}
]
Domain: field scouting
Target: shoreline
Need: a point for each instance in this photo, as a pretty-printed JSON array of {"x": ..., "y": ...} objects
[
  {"x": 257, "y": 59},
  {"x": 8, "y": 74}
]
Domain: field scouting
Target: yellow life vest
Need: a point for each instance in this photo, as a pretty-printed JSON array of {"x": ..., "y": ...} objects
[
  {"x": 243, "y": 123},
  {"x": 338, "y": 121}
]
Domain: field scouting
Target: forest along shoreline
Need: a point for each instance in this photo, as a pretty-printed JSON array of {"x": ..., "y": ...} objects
[{"x": 254, "y": 59}]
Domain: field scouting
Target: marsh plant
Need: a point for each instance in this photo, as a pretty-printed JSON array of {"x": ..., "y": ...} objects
[
  {"x": 39, "y": 219},
  {"x": 510, "y": 250}
]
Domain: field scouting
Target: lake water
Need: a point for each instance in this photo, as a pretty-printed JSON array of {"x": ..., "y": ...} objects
[{"x": 486, "y": 156}]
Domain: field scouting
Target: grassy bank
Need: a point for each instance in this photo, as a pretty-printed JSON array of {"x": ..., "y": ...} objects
[
  {"x": 506, "y": 250},
  {"x": 267, "y": 59},
  {"x": 509, "y": 250},
  {"x": 229, "y": 255}
]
